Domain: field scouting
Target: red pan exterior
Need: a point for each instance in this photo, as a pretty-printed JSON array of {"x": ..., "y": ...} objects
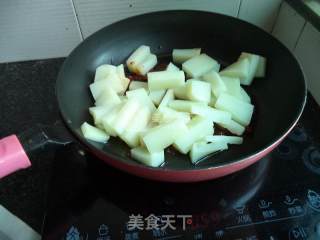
[{"x": 196, "y": 175}]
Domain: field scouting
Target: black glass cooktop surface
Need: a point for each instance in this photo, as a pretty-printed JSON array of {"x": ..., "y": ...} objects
[{"x": 276, "y": 198}]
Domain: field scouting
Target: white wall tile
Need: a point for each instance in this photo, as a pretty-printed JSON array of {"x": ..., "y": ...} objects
[
  {"x": 96, "y": 14},
  {"x": 288, "y": 26},
  {"x": 260, "y": 12},
  {"x": 307, "y": 51},
  {"x": 36, "y": 29}
]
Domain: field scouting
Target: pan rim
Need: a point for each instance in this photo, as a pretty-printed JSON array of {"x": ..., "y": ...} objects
[{"x": 275, "y": 140}]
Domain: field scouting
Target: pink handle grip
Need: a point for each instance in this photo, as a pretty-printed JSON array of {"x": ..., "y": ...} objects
[{"x": 12, "y": 156}]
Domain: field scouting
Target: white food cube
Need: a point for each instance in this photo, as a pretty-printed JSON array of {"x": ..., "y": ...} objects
[
  {"x": 173, "y": 68},
  {"x": 225, "y": 139},
  {"x": 254, "y": 62},
  {"x": 215, "y": 115},
  {"x": 147, "y": 64},
  {"x": 212, "y": 101},
  {"x": 125, "y": 115},
  {"x": 262, "y": 67},
  {"x": 217, "y": 85},
  {"x": 241, "y": 111},
  {"x": 138, "y": 84},
  {"x": 244, "y": 95},
  {"x": 239, "y": 69},
  {"x": 99, "y": 112},
  {"x": 93, "y": 133},
  {"x": 120, "y": 71},
  {"x": 181, "y": 55},
  {"x": 168, "y": 97},
  {"x": 139, "y": 122},
  {"x": 103, "y": 71},
  {"x": 156, "y": 96},
  {"x": 142, "y": 155},
  {"x": 107, "y": 97},
  {"x": 199, "y": 65},
  {"x": 198, "y": 90},
  {"x": 142, "y": 96},
  {"x": 199, "y": 150},
  {"x": 138, "y": 56},
  {"x": 109, "y": 119},
  {"x": 233, "y": 86},
  {"x": 111, "y": 81},
  {"x": 181, "y": 92},
  {"x": 97, "y": 88},
  {"x": 234, "y": 127},
  {"x": 184, "y": 105},
  {"x": 197, "y": 128},
  {"x": 165, "y": 80},
  {"x": 162, "y": 136},
  {"x": 166, "y": 115}
]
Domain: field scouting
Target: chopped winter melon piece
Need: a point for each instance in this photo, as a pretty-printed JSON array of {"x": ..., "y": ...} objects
[
  {"x": 107, "y": 97},
  {"x": 241, "y": 111},
  {"x": 262, "y": 67},
  {"x": 168, "y": 97},
  {"x": 233, "y": 86},
  {"x": 156, "y": 96},
  {"x": 215, "y": 115},
  {"x": 124, "y": 80},
  {"x": 111, "y": 81},
  {"x": 244, "y": 95},
  {"x": 166, "y": 115},
  {"x": 234, "y": 127},
  {"x": 139, "y": 122},
  {"x": 98, "y": 112},
  {"x": 198, "y": 128},
  {"x": 217, "y": 85},
  {"x": 137, "y": 84},
  {"x": 142, "y": 96},
  {"x": 142, "y": 155},
  {"x": 158, "y": 138},
  {"x": 120, "y": 71},
  {"x": 239, "y": 69},
  {"x": 199, "y": 65},
  {"x": 109, "y": 119},
  {"x": 138, "y": 56},
  {"x": 198, "y": 90},
  {"x": 172, "y": 68},
  {"x": 254, "y": 62},
  {"x": 181, "y": 92},
  {"x": 165, "y": 80},
  {"x": 184, "y": 105},
  {"x": 125, "y": 115},
  {"x": 225, "y": 139},
  {"x": 182, "y": 55},
  {"x": 147, "y": 64},
  {"x": 103, "y": 71},
  {"x": 97, "y": 88},
  {"x": 93, "y": 133},
  {"x": 212, "y": 101},
  {"x": 200, "y": 150}
]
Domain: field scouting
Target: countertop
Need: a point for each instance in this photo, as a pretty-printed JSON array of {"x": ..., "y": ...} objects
[{"x": 27, "y": 97}]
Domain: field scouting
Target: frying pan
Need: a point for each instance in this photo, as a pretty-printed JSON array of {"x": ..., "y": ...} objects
[{"x": 279, "y": 98}]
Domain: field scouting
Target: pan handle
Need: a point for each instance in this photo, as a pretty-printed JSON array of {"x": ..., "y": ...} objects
[{"x": 14, "y": 148}]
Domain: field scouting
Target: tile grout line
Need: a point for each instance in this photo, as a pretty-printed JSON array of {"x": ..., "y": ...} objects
[
  {"x": 277, "y": 17},
  {"x": 299, "y": 36},
  {"x": 77, "y": 20},
  {"x": 239, "y": 7}
]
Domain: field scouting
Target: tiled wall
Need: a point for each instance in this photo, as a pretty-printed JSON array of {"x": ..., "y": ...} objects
[
  {"x": 304, "y": 41},
  {"x": 37, "y": 29}
]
